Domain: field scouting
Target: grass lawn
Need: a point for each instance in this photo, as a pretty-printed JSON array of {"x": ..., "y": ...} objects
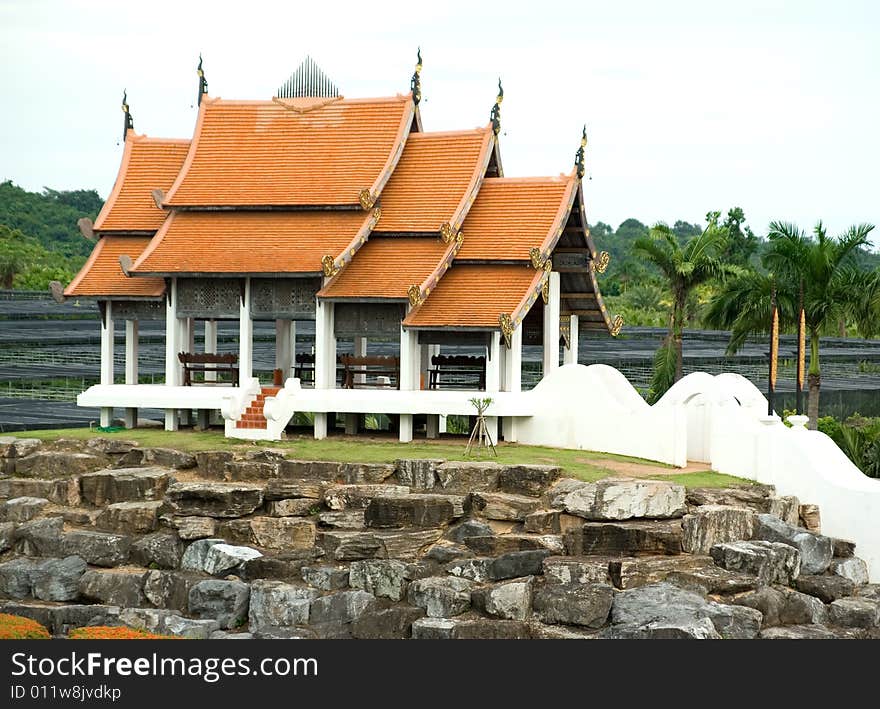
[{"x": 585, "y": 465}]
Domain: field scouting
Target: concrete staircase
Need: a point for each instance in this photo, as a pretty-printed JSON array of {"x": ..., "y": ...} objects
[{"x": 253, "y": 417}]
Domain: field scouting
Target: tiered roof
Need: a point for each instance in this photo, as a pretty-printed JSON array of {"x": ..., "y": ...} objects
[{"x": 102, "y": 276}]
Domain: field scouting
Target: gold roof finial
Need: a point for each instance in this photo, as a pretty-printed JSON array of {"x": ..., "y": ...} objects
[
  {"x": 203, "y": 82},
  {"x": 495, "y": 115},
  {"x": 129, "y": 122},
  {"x": 579, "y": 156},
  {"x": 415, "y": 83}
]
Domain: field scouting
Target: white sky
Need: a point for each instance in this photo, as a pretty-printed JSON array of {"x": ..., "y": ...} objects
[{"x": 690, "y": 106}]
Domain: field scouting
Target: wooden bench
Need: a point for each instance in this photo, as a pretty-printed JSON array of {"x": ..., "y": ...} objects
[
  {"x": 304, "y": 368},
  {"x": 364, "y": 372},
  {"x": 454, "y": 369},
  {"x": 200, "y": 362}
]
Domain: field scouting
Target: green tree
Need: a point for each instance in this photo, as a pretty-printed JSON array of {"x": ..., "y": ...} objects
[
  {"x": 834, "y": 288},
  {"x": 742, "y": 243},
  {"x": 684, "y": 267}
]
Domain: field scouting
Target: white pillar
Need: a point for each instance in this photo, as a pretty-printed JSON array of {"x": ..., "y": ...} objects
[
  {"x": 410, "y": 361},
  {"x": 283, "y": 354},
  {"x": 187, "y": 344},
  {"x": 172, "y": 364},
  {"x": 493, "y": 379},
  {"x": 513, "y": 378},
  {"x": 360, "y": 350},
  {"x": 551, "y": 326},
  {"x": 570, "y": 353},
  {"x": 210, "y": 346},
  {"x": 325, "y": 358},
  {"x": 245, "y": 336},
  {"x": 131, "y": 367},
  {"x": 292, "y": 347},
  {"x": 106, "y": 418}
]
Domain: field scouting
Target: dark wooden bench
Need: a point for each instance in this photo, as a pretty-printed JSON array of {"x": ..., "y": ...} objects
[
  {"x": 364, "y": 371},
  {"x": 457, "y": 372},
  {"x": 200, "y": 362}
]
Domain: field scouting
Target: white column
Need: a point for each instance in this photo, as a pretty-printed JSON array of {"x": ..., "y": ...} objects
[
  {"x": 245, "y": 336},
  {"x": 107, "y": 358},
  {"x": 409, "y": 375},
  {"x": 283, "y": 356},
  {"x": 131, "y": 366},
  {"x": 493, "y": 380},
  {"x": 352, "y": 420},
  {"x": 513, "y": 378},
  {"x": 211, "y": 346},
  {"x": 187, "y": 344},
  {"x": 551, "y": 327},
  {"x": 172, "y": 364},
  {"x": 570, "y": 353},
  {"x": 292, "y": 346},
  {"x": 325, "y": 358}
]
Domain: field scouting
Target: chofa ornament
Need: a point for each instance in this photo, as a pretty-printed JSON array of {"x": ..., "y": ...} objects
[
  {"x": 506, "y": 328},
  {"x": 366, "y": 199},
  {"x": 415, "y": 295},
  {"x": 616, "y": 325},
  {"x": 603, "y": 261},
  {"x": 328, "y": 265}
]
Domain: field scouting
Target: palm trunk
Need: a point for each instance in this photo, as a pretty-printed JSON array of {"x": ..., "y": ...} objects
[
  {"x": 814, "y": 381},
  {"x": 678, "y": 314}
]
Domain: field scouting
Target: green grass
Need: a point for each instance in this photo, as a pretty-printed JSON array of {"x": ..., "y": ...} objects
[{"x": 585, "y": 465}]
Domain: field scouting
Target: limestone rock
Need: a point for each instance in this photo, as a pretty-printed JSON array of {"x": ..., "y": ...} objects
[
  {"x": 567, "y": 569},
  {"x": 531, "y": 480},
  {"x": 341, "y": 607},
  {"x": 393, "y": 623},
  {"x": 771, "y": 562},
  {"x": 872, "y": 591},
  {"x": 843, "y": 548},
  {"x": 825, "y": 588},
  {"x": 130, "y": 517},
  {"x": 444, "y": 552},
  {"x": 56, "y": 464},
  {"x": 190, "y": 528},
  {"x": 360, "y": 473},
  {"x": 769, "y": 600},
  {"x": 465, "y": 477},
  {"x": 114, "y": 587},
  {"x": 214, "y": 499},
  {"x": 815, "y": 550},
  {"x": 316, "y": 470},
  {"x": 298, "y": 507},
  {"x": 225, "y": 558},
  {"x": 810, "y": 518},
  {"x": 640, "y": 571},
  {"x": 162, "y": 457},
  {"x": 853, "y": 568},
  {"x": 475, "y": 569},
  {"x": 540, "y": 631},
  {"x": 511, "y": 600},
  {"x": 244, "y": 470},
  {"x": 497, "y": 545},
  {"x": 469, "y": 629},
  {"x": 800, "y": 609},
  {"x": 212, "y": 464},
  {"x": 283, "y": 566},
  {"x": 715, "y": 524},
  {"x": 419, "y": 474},
  {"x": 7, "y": 534},
  {"x": 327, "y": 578},
  {"x": 798, "y": 632},
  {"x": 713, "y": 580},
  {"x": 110, "y": 446},
  {"x": 61, "y": 492},
  {"x": 58, "y": 579},
  {"x": 39, "y": 537},
  {"x": 504, "y": 506},
  {"x": 342, "y": 519},
  {"x": 441, "y": 597},
  {"x": 415, "y": 510},
  {"x": 22, "y": 509},
  {"x": 753, "y": 497},
  {"x": 223, "y": 601},
  {"x": 377, "y": 544},
  {"x": 97, "y": 548},
  {"x": 854, "y": 613},
  {"x": 227, "y": 635},
  {"x": 468, "y": 528},
  {"x": 622, "y": 499},
  {"x": 384, "y": 578},
  {"x": 190, "y": 628},
  {"x": 343, "y": 497},
  {"x": 123, "y": 485},
  {"x": 196, "y": 553},
  {"x": 170, "y": 589},
  {"x": 700, "y": 628},
  {"x": 787, "y": 508},
  {"x": 280, "y": 533},
  {"x": 278, "y": 604},
  {"x": 625, "y": 538},
  {"x": 515, "y": 564},
  {"x": 278, "y": 489},
  {"x": 160, "y": 550},
  {"x": 585, "y": 604},
  {"x": 16, "y": 578},
  {"x": 12, "y": 447}
]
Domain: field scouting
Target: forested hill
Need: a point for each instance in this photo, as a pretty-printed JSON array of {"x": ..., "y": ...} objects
[{"x": 39, "y": 239}]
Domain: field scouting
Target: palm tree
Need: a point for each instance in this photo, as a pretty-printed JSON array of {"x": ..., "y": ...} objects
[
  {"x": 834, "y": 288},
  {"x": 684, "y": 268}
]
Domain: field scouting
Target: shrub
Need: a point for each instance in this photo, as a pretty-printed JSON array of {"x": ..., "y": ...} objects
[
  {"x": 14, "y": 627},
  {"x": 106, "y": 632}
]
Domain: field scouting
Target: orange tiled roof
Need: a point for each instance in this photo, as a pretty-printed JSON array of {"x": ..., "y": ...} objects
[
  {"x": 435, "y": 181},
  {"x": 387, "y": 267},
  {"x": 475, "y": 295},
  {"x": 284, "y": 153},
  {"x": 147, "y": 164},
  {"x": 513, "y": 215},
  {"x": 102, "y": 275},
  {"x": 253, "y": 242}
]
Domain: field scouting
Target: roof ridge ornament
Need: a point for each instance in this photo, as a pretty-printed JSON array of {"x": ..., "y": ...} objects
[
  {"x": 415, "y": 84},
  {"x": 602, "y": 262},
  {"x": 579, "y": 156},
  {"x": 506, "y": 325},
  {"x": 203, "y": 82},
  {"x": 415, "y": 295},
  {"x": 495, "y": 115},
  {"x": 129, "y": 121},
  {"x": 328, "y": 265}
]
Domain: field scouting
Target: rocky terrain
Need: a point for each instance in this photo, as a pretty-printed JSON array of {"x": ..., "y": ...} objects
[{"x": 223, "y": 545}]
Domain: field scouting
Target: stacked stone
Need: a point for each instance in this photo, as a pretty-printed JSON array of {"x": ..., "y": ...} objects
[{"x": 254, "y": 544}]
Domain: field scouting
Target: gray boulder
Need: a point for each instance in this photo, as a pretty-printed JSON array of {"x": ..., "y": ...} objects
[
  {"x": 854, "y": 613},
  {"x": 223, "y": 601},
  {"x": 384, "y": 578},
  {"x": 16, "y": 578},
  {"x": 214, "y": 499},
  {"x": 566, "y": 569},
  {"x": 342, "y": 607},
  {"x": 358, "y": 497},
  {"x": 468, "y": 528},
  {"x": 163, "y": 457},
  {"x": 469, "y": 629},
  {"x": 197, "y": 553},
  {"x": 852, "y": 568},
  {"x": 326, "y": 578},
  {"x": 158, "y": 551},
  {"x": 419, "y": 474},
  {"x": 518, "y": 563},
  {"x": 7, "y": 535},
  {"x": 22, "y": 509},
  {"x": 825, "y": 588},
  {"x": 622, "y": 498},
  {"x": 441, "y": 597},
  {"x": 123, "y": 485},
  {"x": 771, "y": 562},
  {"x": 277, "y": 604},
  {"x": 393, "y": 623},
  {"x": 114, "y": 588},
  {"x": 504, "y": 506},
  {"x": 58, "y": 579},
  {"x": 643, "y": 570},
  {"x": 715, "y": 524},
  {"x": 56, "y": 464},
  {"x": 97, "y": 548},
  {"x": 815, "y": 550},
  {"x": 414, "y": 510},
  {"x": 625, "y": 538},
  {"x": 531, "y": 480},
  {"x": 225, "y": 558},
  {"x": 170, "y": 589},
  {"x": 584, "y": 604},
  {"x": 130, "y": 517},
  {"x": 39, "y": 537},
  {"x": 465, "y": 477},
  {"x": 510, "y": 600}
]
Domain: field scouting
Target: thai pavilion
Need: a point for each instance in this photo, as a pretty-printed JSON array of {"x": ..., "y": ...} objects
[{"x": 345, "y": 212}]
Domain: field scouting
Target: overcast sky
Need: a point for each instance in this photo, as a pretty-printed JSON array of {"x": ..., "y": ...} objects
[{"x": 690, "y": 106}]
